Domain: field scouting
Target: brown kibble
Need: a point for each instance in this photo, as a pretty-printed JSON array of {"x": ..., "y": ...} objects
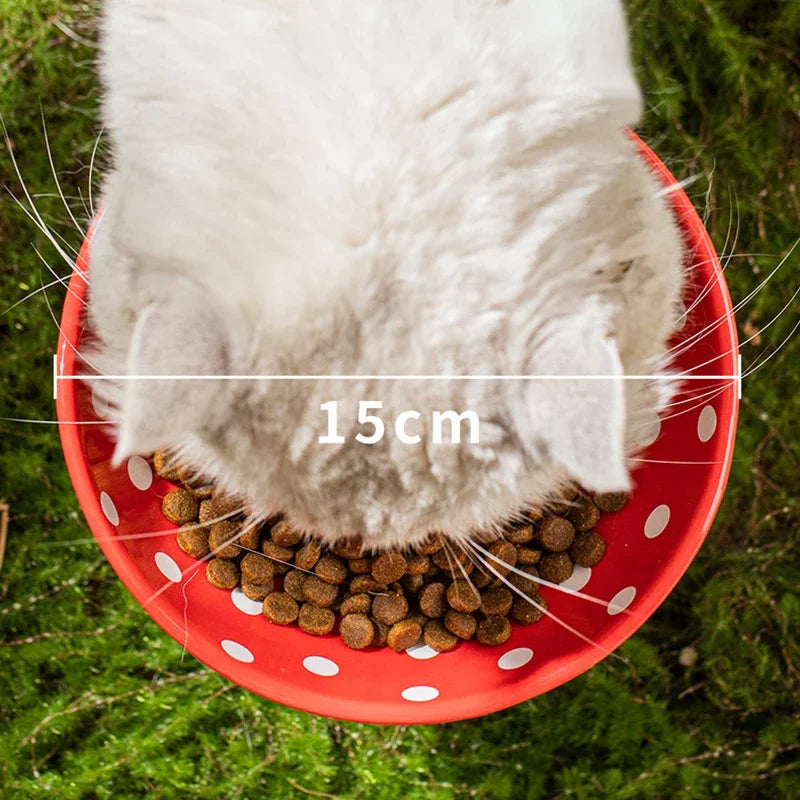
[
  {"x": 534, "y": 513},
  {"x": 520, "y": 535},
  {"x": 418, "y": 565},
  {"x": 555, "y": 567},
  {"x": 526, "y": 613},
  {"x": 222, "y": 574},
  {"x": 584, "y": 515},
  {"x": 462, "y": 625},
  {"x": 555, "y": 533},
  {"x": 319, "y": 592},
  {"x": 293, "y": 584},
  {"x": 388, "y": 567},
  {"x": 165, "y": 466},
  {"x": 250, "y": 538},
  {"x": 462, "y": 596},
  {"x": 308, "y": 555},
  {"x": 256, "y": 569},
  {"x": 430, "y": 546},
  {"x": 360, "y": 566},
  {"x": 193, "y": 540},
  {"x": 431, "y": 600},
  {"x": 524, "y": 584},
  {"x": 438, "y": 637},
  {"x": 611, "y": 501},
  {"x": 456, "y": 563},
  {"x": 281, "y": 557},
  {"x": 357, "y": 604},
  {"x": 206, "y": 512},
  {"x": 404, "y": 634},
  {"x": 366, "y": 583},
  {"x": 179, "y": 506},
  {"x": 256, "y": 591},
  {"x": 505, "y": 552},
  {"x": 381, "y": 634},
  {"x": 413, "y": 583},
  {"x": 587, "y": 549},
  {"x": 496, "y": 601},
  {"x": 203, "y": 493},
  {"x": 280, "y": 608},
  {"x": 348, "y": 548},
  {"x": 284, "y": 534},
  {"x": 419, "y": 617},
  {"x": 389, "y": 608},
  {"x": 527, "y": 556},
  {"x": 315, "y": 620},
  {"x": 331, "y": 569},
  {"x": 222, "y": 538},
  {"x": 481, "y": 579},
  {"x": 357, "y": 631},
  {"x": 493, "y": 631}
]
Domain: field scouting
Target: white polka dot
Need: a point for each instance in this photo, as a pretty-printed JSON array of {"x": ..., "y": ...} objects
[
  {"x": 319, "y": 665},
  {"x": 706, "y": 423},
  {"x": 651, "y": 432},
  {"x": 514, "y": 659},
  {"x": 579, "y": 578},
  {"x": 245, "y": 604},
  {"x": 621, "y": 600},
  {"x": 422, "y": 652},
  {"x": 167, "y": 567},
  {"x": 109, "y": 509},
  {"x": 140, "y": 473},
  {"x": 420, "y": 694},
  {"x": 657, "y": 521},
  {"x": 237, "y": 651}
]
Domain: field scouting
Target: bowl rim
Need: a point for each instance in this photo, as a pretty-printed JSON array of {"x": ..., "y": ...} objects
[{"x": 411, "y": 713}]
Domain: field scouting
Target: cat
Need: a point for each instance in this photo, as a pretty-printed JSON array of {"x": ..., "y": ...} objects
[{"x": 400, "y": 188}]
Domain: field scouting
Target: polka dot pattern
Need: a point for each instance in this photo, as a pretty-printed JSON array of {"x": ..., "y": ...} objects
[
  {"x": 420, "y": 694},
  {"x": 140, "y": 473},
  {"x": 706, "y": 423},
  {"x": 245, "y": 604},
  {"x": 621, "y": 600},
  {"x": 421, "y": 652},
  {"x": 319, "y": 665},
  {"x": 579, "y": 578},
  {"x": 514, "y": 659},
  {"x": 109, "y": 509},
  {"x": 167, "y": 567},
  {"x": 237, "y": 651},
  {"x": 657, "y": 521}
]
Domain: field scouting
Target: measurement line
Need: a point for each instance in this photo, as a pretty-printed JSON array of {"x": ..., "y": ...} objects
[
  {"x": 732, "y": 378},
  {"x": 739, "y": 378},
  {"x": 55, "y": 376}
]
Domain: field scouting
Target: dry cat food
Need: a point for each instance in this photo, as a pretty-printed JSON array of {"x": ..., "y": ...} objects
[{"x": 436, "y": 594}]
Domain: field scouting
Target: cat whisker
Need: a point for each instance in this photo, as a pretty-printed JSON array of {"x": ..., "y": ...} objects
[
  {"x": 758, "y": 364},
  {"x": 91, "y": 168},
  {"x": 63, "y": 281},
  {"x": 704, "y": 402},
  {"x": 59, "y": 280},
  {"x": 55, "y": 174}
]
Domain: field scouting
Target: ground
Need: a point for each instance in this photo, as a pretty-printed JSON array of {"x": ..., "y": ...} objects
[{"x": 97, "y": 702}]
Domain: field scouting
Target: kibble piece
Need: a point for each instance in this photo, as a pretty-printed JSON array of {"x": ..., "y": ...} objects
[
  {"x": 404, "y": 634},
  {"x": 431, "y": 600},
  {"x": 284, "y": 534},
  {"x": 357, "y": 631},
  {"x": 193, "y": 540},
  {"x": 381, "y": 634},
  {"x": 534, "y": 513},
  {"x": 280, "y": 608},
  {"x": 457, "y": 563},
  {"x": 584, "y": 515},
  {"x": 526, "y": 613},
  {"x": 496, "y": 602},
  {"x": 493, "y": 631},
  {"x": 256, "y": 568},
  {"x": 413, "y": 583},
  {"x": 611, "y": 501},
  {"x": 165, "y": 466},
  {"x": 430, "y": 546},
  {"x": 179, "y": 506},
  {"x": 307, "y": 556},
  {"x": 256, "y": 591},
  {"x": 206, "y": 512},
  {"x": 587, "y": 549},
  {"x": 555, "y": 533},
  {"x": 203, "y": 493},
  {"x": 293, "y": 584},
  {"x": 366, "y": 583},
  {"x": 418, "y": 565},
  {"x": 520, "y": 535},
  {"x": 555, "y": 567},
  {"x": 315, "y": 620},
  {"x": 222, "y": 573},
  {"x": 250, "y": 538},
  {"x": 318, "y": 592},
  {"x": 389, "y": 608},
  {"x": 438, "y": 637},
  {"x": 281, "y": 557},
  {"x": 331, "y": 569},
  {"x": 419, "y": 617},
  {"x": 462, "y": 625},
  {"x": 528, "y": 555},
  {"x": 524, "y": 584},
  {"x": 359, "y": 566},
  {"x": 463, "y": 597},
  {"x": 506, "y": 553},
  {"x": 348, "y": 548},
  {"x": 481, "y": 579},
  {"x": 357, "y": 604},
  {"x": 388, "y": 567},
  {"x": 222, "y": 538}
]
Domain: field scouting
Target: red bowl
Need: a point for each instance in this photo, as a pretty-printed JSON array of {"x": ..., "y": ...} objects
[{"x": 651, "y": 543}]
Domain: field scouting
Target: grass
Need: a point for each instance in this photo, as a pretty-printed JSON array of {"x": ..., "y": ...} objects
[{"x": 97, "y": 702}]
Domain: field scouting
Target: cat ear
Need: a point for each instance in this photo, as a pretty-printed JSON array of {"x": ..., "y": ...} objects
[
  {"x": 179, "y": 335},
  {"x": 579, "y": 423}
]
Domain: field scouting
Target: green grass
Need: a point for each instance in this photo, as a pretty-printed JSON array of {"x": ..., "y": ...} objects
[{"x": 96, "y": 702}]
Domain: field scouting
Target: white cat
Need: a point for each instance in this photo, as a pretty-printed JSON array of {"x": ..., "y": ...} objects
[{"x": 323, "y": 187}]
